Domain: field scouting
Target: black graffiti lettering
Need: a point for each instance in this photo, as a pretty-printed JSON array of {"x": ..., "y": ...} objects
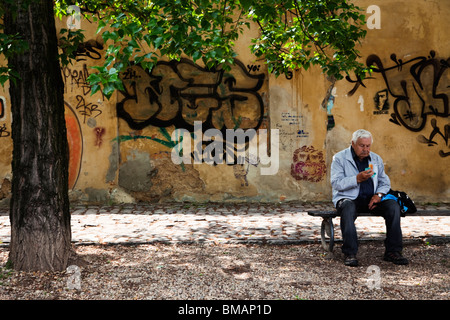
[
  {"x": 87, "y": 110},
  {"x": 411, "y": 107},
  {"x": 77, "y": 78},
  {"x": 289, "y": 75},
  {"x": 358, "y": 82},
  {"x": 4, "y": 131},
  {"x": 421, "y": 94},
  {"x": 398, "y": 62},
  {"x": 437, "y": 132},
  {"x": 89, "y": 49},
  {"x": 253, "y": 67},
  {"x": 130, "y": 74},
  {"x": 173, "y": 91}
]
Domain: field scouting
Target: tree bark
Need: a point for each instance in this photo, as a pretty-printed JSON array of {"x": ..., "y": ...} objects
[{"x": 39, "y": 213}]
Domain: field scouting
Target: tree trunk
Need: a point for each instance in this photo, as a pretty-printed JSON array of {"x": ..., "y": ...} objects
[{"x": 39, "y": 214}]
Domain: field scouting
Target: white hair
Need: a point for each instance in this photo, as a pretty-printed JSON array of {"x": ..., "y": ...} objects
[{"x": 361, "y": 133}]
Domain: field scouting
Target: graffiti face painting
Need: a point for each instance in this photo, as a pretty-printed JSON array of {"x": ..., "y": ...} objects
[{"x": 308, "y": 164}]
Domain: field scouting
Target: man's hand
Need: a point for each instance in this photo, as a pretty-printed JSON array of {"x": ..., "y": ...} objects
[
  {"x": 374, "y": 201},
  {"x": 364, "y": 175}
]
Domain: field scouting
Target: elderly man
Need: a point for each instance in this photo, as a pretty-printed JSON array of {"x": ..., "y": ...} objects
[{"x": 359, "y": 182}]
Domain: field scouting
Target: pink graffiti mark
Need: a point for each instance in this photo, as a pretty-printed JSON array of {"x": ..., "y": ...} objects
[
  {"x": 99, "y": 132},
  {"x": 308, "y": 164}
]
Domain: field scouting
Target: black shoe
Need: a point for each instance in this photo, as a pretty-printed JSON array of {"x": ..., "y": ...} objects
[
  {"x": 396, "y": 258},
  {"x": 350, "y": 260}
]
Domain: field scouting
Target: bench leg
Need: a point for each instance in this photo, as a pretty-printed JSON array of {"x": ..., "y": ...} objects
[{"x": 327, "y": 234}]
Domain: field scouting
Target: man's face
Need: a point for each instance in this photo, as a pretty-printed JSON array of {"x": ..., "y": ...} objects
[{"x": 362, "y": 147}]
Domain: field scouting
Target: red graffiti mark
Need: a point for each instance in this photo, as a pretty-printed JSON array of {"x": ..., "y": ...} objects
[
  {"x": 308, "y": 164},
  {"x": 75, "y": 141},
  {"x": 99, "y": 132}
]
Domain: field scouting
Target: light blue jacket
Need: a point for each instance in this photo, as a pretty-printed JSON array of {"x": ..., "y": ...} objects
[{"x": 344, "y": 172}]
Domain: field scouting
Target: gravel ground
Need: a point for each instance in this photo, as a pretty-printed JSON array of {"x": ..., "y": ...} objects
[{"x": 235, "y": 272}]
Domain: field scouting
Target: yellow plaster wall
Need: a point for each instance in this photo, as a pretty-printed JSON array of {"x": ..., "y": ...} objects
[{"x": 315, "y": 118}]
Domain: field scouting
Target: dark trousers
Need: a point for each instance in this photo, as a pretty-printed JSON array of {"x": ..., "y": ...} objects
[{"x": 388, "y": 209}]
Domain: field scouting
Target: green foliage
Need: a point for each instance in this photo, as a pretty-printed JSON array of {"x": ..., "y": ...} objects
[
  {"x": 10, "y": 45},
  {"x": 69, "y": 42},
  {"x": 298, "y": 34},
  {"x": 293, "y": 34},
  {"x": 142, "y": 32}
]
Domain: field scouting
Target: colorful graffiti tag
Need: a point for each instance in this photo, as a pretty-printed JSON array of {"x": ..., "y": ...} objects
[{"x": 179, "y": 93}]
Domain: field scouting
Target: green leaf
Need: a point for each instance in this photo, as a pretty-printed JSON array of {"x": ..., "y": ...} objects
[
  {"x": 108, "y": 90},
  {"x": 197, "y": 55},
  {"x": 158, "y": 41},
  {"x": 94, "y": 78}
]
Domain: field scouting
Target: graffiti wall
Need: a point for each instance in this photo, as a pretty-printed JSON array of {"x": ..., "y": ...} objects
[
  {"x": 418, "y": 91},
  {"x": 180, "y": 95},
  {"x": 181, "y": 132}
]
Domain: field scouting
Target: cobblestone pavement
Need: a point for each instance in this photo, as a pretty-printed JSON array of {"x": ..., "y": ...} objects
[{"x": 222, "y": 223}]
